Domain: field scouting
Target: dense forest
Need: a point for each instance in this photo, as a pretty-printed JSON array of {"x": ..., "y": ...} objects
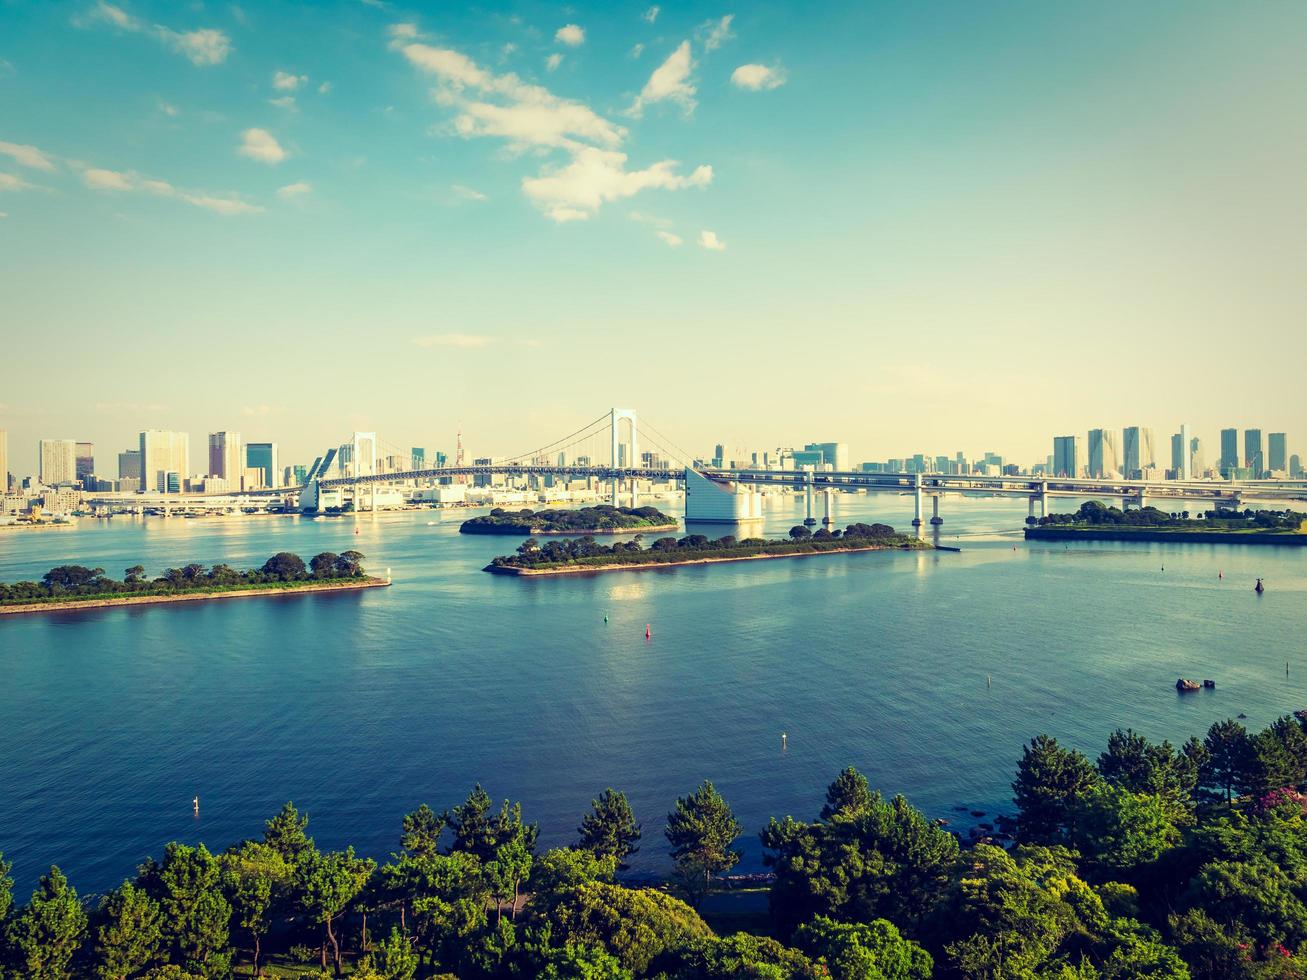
[
  {"x": 1094, "y": 514},
  {"x": 79, "y": 582},
  {"x": 599, "y": 518},
  {"x": 585, "y": 551},
  {"x": 1154, "y": 861}
]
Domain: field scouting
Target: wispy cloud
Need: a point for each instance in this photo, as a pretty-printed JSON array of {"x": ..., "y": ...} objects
[
  {"x": 11, "y": 182},
  {"x": 261, "y": 145},
  {"x": 114, "y": 181},
  {"x": 597, "y": 176},
  {"x": 468, "y": 193},
  {"x": 553, "y": 61},
  {"x": 26, "y": 155},
  {"x": 670, "y": 238},
  {"x": 297, "y": 189},
  {"x": 651, "y": 14},
  {"x": 758, "y": 78},
  {"x": 284, "y": 81},
  {"x": 670, "y": 81},
  {"x": 715, "y": 33},
  {"x": 572, "y": 35},
  {"x": 204, "y": 46},
  {"x": 637, "y": 49},
  {"x": 465, "y": 341},
  {"x": 710, "y": 241}
]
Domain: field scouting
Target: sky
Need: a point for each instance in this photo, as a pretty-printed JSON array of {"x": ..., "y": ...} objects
[{"x": 910, "y": 227}]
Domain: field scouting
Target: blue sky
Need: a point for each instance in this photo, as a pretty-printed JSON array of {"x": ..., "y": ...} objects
[{"x": 910, "y": 227}]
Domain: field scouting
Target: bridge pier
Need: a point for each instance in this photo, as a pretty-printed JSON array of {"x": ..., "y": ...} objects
[
  {"x": 808, "y": 520},
  {"x": 916, "y": 519},
  {"x": 827, "y": 497},
  {"x": 1043, "y": 500},
  {"x": 936, "y": 519},
  {"x": 1031, "y": 511}
]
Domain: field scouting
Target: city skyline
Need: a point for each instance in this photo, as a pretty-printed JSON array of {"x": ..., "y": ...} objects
[{"x": 330, "y": 199}]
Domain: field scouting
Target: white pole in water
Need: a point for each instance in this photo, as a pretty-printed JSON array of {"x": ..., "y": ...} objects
[
  {"x": 784, "y": 737},
  {"x": 388, "y": 576},
  {"x": 196, "y": 803}
]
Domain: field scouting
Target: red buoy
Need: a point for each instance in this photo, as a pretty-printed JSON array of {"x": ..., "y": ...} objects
[{"x": 648, "y": 633}]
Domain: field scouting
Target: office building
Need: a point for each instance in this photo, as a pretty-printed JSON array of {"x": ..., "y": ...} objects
[
  {"x": 163, "y": 452},
  {"x": 419, "y": 460},
  {"x": 57, "y": 462},
  {"x": 227, "y": 457},
  {"x": 129, "y": 465},
  {"x": 263, "y": 456},
  {"x": 833, "y": 454},
  {"x": 1066, "y": 456},
  {"x": 1277, "y": 452},
  {"x": 1181, "y": 465},
  {"x": 1229, "y": 451},
  {"x": 1253, "y": 458},
  {"x": 1137, "y": 453},
  {"x": 1104, "y": 461},
  {"x": 1197, "y": 458},
  {"x": 1295, "y": 466},
  {"x": 85, "y": 461}
]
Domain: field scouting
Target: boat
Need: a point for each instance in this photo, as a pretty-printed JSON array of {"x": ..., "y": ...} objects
[
  {"x": 1184, "y": 685},
  {"x": 1259, "y": 588}
]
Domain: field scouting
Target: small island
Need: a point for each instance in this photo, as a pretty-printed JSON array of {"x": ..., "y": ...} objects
[
  {"x": 1095, "y": 522},
  {"x": 601, "y": 519},
  {"x": 71, "y": 587},
  {"x": 581, "y": 555}
]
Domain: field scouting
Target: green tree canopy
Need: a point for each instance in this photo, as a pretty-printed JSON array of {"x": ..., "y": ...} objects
[
  {"x": 610, "y": 828},
  {"x": 702, "y": 831}
]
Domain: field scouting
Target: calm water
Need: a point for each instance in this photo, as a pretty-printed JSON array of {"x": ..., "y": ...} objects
[{"x": 361, "y": 707}]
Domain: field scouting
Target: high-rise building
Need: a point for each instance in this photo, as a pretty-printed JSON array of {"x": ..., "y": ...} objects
[
  {"x": 1066, "y": 456},
  {"x": 1197, "y": 458},
  {"x": 129, "y": 465},
  {"x": 163, "y": 452},
  {"x": 57, "y": 460},
  {"x": 1104, "y": 461},
  {"x": 1229, "y": 450},
  {"x": 263, "y": 456},
  {"x": 226, "y": 457},
  {"x": 4, "y": 461},
  {"x": 834, "y": 454},
  {"x": 1295, "y": 467},
  {"x": 1277, "y": 452},
  {"x": 419, "y": 458},
  {"x": 1138, "y": 453},
  {"x": 85, "y": 461},
  {"x": 1253, "y": 458},
  {"x": 1180, "y": 461}
]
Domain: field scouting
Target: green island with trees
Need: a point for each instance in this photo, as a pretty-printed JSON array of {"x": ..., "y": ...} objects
[
  {"x": 587, "y": 555},
  {"x": 1094, "y": 521},
  {"x": 76, "y": 586},
  {"x": 602, "y": 519},
  {"x": 1154, "y": 861}
]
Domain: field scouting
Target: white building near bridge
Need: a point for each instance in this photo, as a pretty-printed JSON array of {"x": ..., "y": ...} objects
[{"x": 710, "y": 502}]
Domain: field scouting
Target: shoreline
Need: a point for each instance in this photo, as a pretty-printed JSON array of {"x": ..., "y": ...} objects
[
  {"x": 505, "y": 531},
  {"x": 641, "y": 566},
  {"x": 1067, "y": 533},
  {"x": 76, "y": 605}
]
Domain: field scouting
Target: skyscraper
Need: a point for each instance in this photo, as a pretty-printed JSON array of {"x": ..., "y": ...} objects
[
  {"x": 419, "y": 458},
  {"x": 1229, "y": 450},
  {"x": 85, "y": 461},
  {"x": 1184, "y": 466},
  {"x": 226, "y": 457},
  {"x": 1197, "y": 458},
  {"x": 164, "y": 452},
  {"x": 1139, "y": 455},
  {"x": 1252, "y": 451},
  {"x": 263, "y": 456},
  {"x": 834, "y": 454},
  {"x": 1066, "y": 456},
  {"x": 1103, "y": 457},
  {"x": 57, "y": 461},
  {"x": 129, "y": 465},
  {"x": 1277, "y": 452}
]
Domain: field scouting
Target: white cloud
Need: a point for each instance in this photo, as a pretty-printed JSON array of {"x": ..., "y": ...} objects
[
  {"x": 9, "y": 182},
  {"x": 324, "y": 88},
  {"x": 757, "y": 78},
  {"x": 254, "y": 411},
  {"x": 597, "y": 176},
  {"x": 405, "y": 31},
  {"x": 261, "y": 145},
  {"x": 570, "y": 34},
  {"x": 715, "y": 33},
  {"x": 168, "y": 109},
  {"x": 637, "y": 49},
  {"x": 284, "y": 81},
  {"x": 710, "y": 241},
  {"x": 669, "y": 81},
  {"x": 285, "y": 102},
  {"x": 204, "y": 46},
  {"x": 553, "y": 61},
  {"x": 27, "y": 156},
  {"x": 649, "y": 219},
  {"x": 465, "y": 341},
  {"x": 98, "y": 179},
  {"x": 468, "y": 193},
  {"x": 3, "y": 215},
  {"x": 669, "y": 238},
  {"x": 297, "y": 189},
  {"x": 651, "y": 14}
]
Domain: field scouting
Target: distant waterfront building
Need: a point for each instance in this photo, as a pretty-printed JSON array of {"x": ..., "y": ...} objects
[
  {"x": 163, "y": 452},
  {"x": 1277, "y": 452},
  {"x": 263, "y": 456},
  {"x": 1066, "y": 456},
  {"x": 129, "y": 465},
  {"x": 57, "y": 462},
  {"x": 1138, "y": 454},
  {"x": 419, "y": 458},
  {"x": 85, "y": 458},
  {"x": 1229, "y": 451},
  {"x": 808, "y": 457},
  {"x": 252, "y": 478},
  {"x": 227, "y": 457},
  {"x": 1181, "y": 465},
  {"x": 299, "y": 474},
  {"x": 1103, "y": 457},
  {"x": 1253, "y": 458},
  {"x": 1197, "y": 458},
  {"x": 1295, "y": 467},
  {"x": 835, "y": 454}
]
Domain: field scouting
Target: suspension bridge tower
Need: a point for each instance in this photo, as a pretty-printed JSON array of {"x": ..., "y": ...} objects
[{"x": 625, "y": 454}]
